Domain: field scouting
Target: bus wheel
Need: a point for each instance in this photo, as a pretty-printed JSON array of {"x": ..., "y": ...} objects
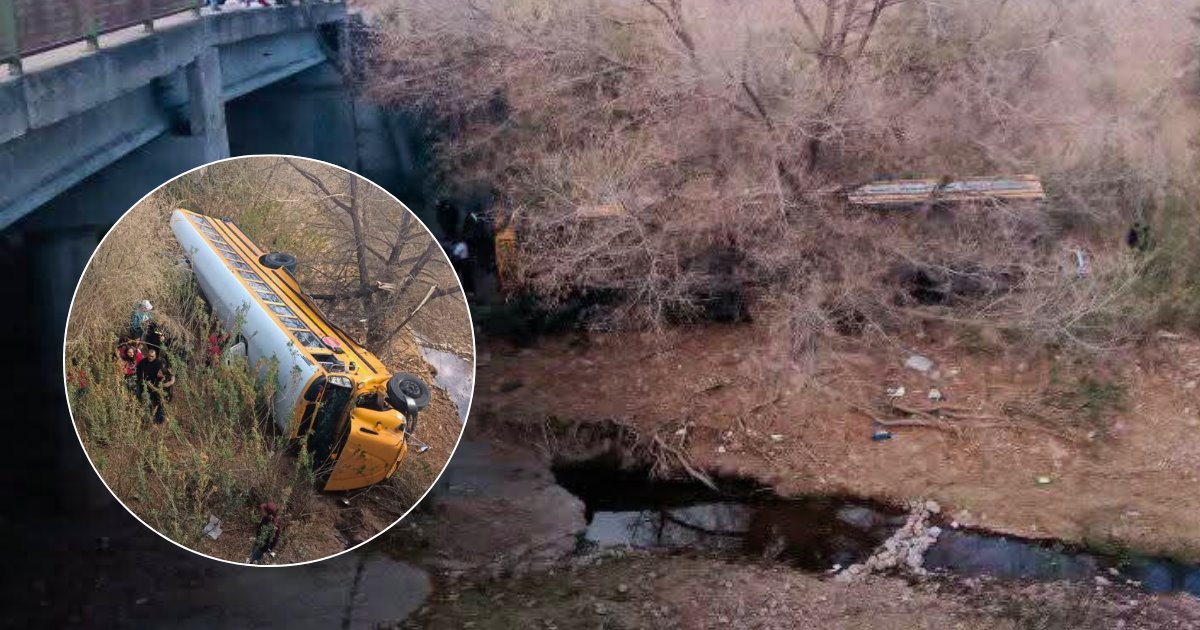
[
  {"x": 279, "y": 260},
  {"x": 403, "y": 385}
]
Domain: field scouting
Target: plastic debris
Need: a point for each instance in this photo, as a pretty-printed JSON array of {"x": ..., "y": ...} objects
[
  {"x": 896, "y": 392},
  {"x": 935, "y": 395},
  {"x": 918, "y": 363},
  {"x": 776, "y": 437},
  {"x": 213, "y": 528},
  {"x": 881, "y": 435},
  {"x": 1043, "y": 480}
]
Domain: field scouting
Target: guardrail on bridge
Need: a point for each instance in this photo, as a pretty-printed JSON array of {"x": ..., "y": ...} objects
[{"x": 32, "y": 26}]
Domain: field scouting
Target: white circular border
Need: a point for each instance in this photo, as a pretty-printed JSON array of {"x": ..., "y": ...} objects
[{"x": 71, "y": 412}]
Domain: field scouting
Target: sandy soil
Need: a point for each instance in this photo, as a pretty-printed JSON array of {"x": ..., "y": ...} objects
[{"x": 1126, "y": 475}]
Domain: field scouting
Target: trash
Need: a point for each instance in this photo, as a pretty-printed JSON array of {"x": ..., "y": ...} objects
[
  {"x": 896, "y": 392},
  {"x": 721, "y": 449},
  {"x": 776, "y": 437},
  {"x": 918, "y": 363},
  {"x": 1043, "y": 480},
  {"x": 1082, "y": 268},
  {"x": 881, "y": 435},
  {"x": 935, "y": 395},
  {"x": 213, "y": 528}
]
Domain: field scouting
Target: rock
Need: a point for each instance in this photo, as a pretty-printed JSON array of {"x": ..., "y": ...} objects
[
  {"x": 918, "y": 363},
  {"x": 622, "y": 588},
  {"x": 932, "y": 507}
]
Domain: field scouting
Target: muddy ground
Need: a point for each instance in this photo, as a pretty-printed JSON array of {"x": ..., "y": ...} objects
[
  {"x": 651, "y": 591},
  {"x": 1101, "y": 450},
  {"x": 498, "y": 537}
]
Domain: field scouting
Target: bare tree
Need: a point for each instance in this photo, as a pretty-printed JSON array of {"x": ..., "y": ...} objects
[
  {"x": 384, "y": 280},
  {"x": 658, "y": 150}
]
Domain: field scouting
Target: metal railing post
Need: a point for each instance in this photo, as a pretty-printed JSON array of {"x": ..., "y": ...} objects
[
  {"x": 88, "y": 23},
  {"x": 148, "y": 14},
  {"x": 10, "y": 29}
]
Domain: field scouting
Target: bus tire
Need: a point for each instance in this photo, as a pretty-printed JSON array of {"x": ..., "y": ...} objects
[
  {"x": 279, "y": 260},
  {"x": 403, "y": 384}
]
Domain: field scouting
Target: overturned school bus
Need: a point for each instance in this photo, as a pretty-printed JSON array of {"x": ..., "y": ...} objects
[{"x": 356, "y": 417}]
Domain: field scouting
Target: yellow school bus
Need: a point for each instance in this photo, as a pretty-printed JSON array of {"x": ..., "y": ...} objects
[{"x": 356, "y": 416}]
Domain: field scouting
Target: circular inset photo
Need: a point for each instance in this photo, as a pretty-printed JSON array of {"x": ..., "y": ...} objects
[{"x": 269, "y": 360}]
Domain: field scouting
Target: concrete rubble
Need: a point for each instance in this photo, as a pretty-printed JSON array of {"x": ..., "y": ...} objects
[{"x": 905, "y": 550}]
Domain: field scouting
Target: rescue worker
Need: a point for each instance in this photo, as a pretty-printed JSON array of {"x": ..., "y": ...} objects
[
  {"x": 152, "y": 371},
  {"x": 140, "y": 318}
]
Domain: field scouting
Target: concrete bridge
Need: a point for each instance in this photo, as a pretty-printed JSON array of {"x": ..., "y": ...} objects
[{"x": 89, "y": 128}]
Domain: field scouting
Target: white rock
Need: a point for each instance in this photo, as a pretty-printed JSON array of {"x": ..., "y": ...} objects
[{"x": 918, "y": 363}]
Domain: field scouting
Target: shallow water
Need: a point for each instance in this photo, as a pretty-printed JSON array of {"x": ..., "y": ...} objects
[
  {"x": 819, "y": 533},
  {"x": 356, "y": 590},
  {"x": 454, "y": 376}
]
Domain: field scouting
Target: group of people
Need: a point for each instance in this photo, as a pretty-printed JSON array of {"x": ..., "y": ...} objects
[
  {"x": 143, "y": 359},
  {"x": 144, "y": 362},
  {"x": 217, "y": 4}
]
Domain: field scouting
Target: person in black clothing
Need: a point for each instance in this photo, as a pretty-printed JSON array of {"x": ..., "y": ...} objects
[
  {"x": 155, "y": 336},
  {"x": 455, "y": 244},
  {"x": 153, "y": 371}
]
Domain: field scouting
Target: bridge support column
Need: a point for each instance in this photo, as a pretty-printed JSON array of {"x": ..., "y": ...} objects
[
  {"x": 207, "y": 104},
  {"x": 58, "y": 259}
]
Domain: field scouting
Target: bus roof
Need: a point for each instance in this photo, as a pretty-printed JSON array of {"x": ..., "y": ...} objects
[{"x": 278, "y": 293}]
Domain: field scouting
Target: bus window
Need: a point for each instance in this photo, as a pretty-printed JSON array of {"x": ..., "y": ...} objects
[
  {"x": 308, "y": 339},
  {"x": 279, "y": 309},
  {"x": 250, "y": 275},
  {"x": 292, "y": 322},
  {"x": 267, "y": 296},
  {"x": 314, "y": 390},
  {"x": 238, "y": 264},
  {"x": 259, "y": 286}
]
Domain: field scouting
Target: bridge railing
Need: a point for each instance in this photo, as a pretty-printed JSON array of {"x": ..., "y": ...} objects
[{"x": 31, "y": 26}]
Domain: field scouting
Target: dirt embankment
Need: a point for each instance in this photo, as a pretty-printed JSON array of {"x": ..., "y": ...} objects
[{"x": 1099, "y": 451}]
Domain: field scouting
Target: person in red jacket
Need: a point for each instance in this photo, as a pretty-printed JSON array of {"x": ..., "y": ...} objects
[
  {"x": 130, "y": 355},
  {"x": 267, "y": 534}
]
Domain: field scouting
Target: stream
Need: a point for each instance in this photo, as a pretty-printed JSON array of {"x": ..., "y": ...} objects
[
  {"x": 453, "y": 375},
  {"x": 819, "y": 533}
]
